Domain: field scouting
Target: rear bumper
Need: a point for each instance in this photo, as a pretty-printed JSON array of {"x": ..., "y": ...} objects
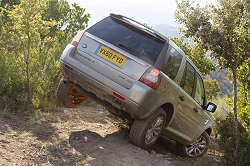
[{"x": 138, "y": 102}]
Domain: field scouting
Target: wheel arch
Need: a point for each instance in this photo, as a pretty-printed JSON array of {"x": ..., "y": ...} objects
[
  {"x": 209, "y": 131},
  {"x": 169, "y": 109}
]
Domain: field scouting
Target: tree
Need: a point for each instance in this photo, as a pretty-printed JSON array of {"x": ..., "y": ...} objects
[
  {"x": 203, "y": 63},
  {"x": 71, "y": 18},
  {"x": 33, "y": 36},
  {"x": 212, "y": 89},
  {"x": 224, "y": 30},
  {"x": 6, "y": 5},
  {"x": 197, "y": 55},
  {"x": 27, "y": 25},
  {"x": 9, "y": 3},
  {"x": 243, "y": 75}
]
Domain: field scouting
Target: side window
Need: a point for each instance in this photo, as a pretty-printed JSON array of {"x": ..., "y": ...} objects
[
  {"x": 199, "y": 91},
  {"x": 173, "y": 64},
  {"x": 188, "y": 78}
]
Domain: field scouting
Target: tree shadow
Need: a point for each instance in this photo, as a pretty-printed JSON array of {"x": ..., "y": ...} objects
[
  {"x": 86, "y": 141},
  {"x": 164, "y": 146},
  {"x": 42, "y": 128},
  {"x": 43, "y": 132},
  {"x": 85, "y": 147},
  {"x": 102, "y": 151},
  {"x": 113, "y": 149}
]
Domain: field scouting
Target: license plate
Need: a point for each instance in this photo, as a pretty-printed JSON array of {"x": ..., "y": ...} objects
[{"x": 111, "y": 55}]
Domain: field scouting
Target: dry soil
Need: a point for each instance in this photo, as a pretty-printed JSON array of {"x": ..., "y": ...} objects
[{"x": 84, "y": 136}]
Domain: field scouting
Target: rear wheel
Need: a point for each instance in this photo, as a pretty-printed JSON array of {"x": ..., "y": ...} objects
[
  {"x": 196, "y": 149},
  {"x": 144, "y": 133},
  {"x": 68, "y": 95}
]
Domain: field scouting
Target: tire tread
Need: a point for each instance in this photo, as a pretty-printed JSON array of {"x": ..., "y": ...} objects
[
  {"x": 63, "y": 92},
  {"x": 139, "y": 128}
]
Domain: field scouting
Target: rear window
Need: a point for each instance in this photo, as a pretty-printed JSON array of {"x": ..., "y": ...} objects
[
  {"x": 173, "y": 64},
  {"x": 130, "y": 39}
]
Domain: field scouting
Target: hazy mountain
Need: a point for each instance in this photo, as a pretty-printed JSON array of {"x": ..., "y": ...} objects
[{"x": 167, "y": 30}]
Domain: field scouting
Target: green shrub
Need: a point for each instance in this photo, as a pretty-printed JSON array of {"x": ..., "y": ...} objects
[{"x": 224, "y": 127}]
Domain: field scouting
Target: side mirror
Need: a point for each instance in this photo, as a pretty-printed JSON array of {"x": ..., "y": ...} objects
[{"x": 211, "y": 107}]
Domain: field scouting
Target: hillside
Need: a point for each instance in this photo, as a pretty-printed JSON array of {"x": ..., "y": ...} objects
[
  {"x": 167, "y": 30},
  {"x": 221, "y": 76},
  {"x": 86, "y": 136}
]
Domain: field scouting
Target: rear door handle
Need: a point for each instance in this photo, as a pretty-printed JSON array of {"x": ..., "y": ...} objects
[
  {"x": 195, "y": 109},
  {"x": 206, "y": 121},
  {"x": 182, "y": 98}
]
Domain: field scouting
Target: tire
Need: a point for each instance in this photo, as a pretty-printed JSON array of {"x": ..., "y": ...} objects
[
  {"x": 197, "y": 149},
  {"x": 144, "y": 133},
  {"x": 68, "y": 95}
]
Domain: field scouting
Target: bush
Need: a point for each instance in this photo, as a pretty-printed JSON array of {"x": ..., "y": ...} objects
[{"x": 227, "y": 140}]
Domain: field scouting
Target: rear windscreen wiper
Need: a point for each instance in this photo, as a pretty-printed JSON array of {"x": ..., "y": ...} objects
[{"x": 127, "y": 47}]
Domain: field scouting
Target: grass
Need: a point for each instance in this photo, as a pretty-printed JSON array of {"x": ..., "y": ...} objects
[
  {"x": 7, "y": 115},
  {"x": 207, "y": 161}
]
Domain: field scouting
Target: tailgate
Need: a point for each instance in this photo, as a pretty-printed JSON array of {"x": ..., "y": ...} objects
[{"x": 109, "y": 61}]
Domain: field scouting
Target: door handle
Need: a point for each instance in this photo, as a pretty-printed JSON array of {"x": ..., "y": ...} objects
[
  {"x": 182, "y": 98},
  {"x": 207, "y": 120},
  {"x": 195, "y": 109}
]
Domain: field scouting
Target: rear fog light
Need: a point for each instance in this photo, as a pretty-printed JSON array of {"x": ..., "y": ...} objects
[{"x": 118, "y": 96}]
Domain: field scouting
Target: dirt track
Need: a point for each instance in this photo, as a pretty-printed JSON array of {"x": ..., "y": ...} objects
[{"x": 85, "y": 136}]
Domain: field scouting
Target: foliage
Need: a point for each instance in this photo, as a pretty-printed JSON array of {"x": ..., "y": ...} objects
[
  {"x": 212, "y": 89},
  {"x": 8, "y": 5},
  {"x": 244, "y": 114},
  {"x": 202, "y": 62},
  {"x": 224, "y": 30},
  {"x": 196, "y": 55},
  {"x": 221, "y": 76},
  {"x": 227, "y": 140},
  {"x": 244, "y": 111},
  {"x": 31, "y": 42},
  {"x": 71, "y": 19},
  {"x": 217, "y": 28},
  {"x": 27, "y": 25},
  {"x": 243, "y": 75}
]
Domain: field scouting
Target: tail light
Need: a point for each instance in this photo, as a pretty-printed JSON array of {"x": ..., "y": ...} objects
[
  {"x": 152, "y": 78},
  {"x": 77, "y": 38}
]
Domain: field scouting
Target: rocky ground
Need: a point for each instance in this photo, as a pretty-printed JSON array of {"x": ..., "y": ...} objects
[{"x": 84, "y": 136}]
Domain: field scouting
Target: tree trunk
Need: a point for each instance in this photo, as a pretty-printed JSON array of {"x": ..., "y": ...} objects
[
  {"x": 236, "y": 123},
  {"x": 28, "y": 71}
]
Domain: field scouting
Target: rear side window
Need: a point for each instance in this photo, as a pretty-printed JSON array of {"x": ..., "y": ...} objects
[
  {"x": 188, "y": 78},
  {"x": 199, "y": 96},
  {"x": 130, "y": 39},
  {"x": 173, "y": 64}
]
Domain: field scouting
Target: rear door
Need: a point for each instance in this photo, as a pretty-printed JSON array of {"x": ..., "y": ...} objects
[
  {"x": 191, "y": 100},
  {"x": 185, "y": 103},
  {"x": 172, "y": 69},
  {"x": 198, "y": 115},
  {"x": 118, "y": 50}
]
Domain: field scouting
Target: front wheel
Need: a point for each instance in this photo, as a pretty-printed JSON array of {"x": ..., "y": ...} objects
[
  {"x": 196, "y": 149},
  {"x": 68, "y": 95},
  {"x": 144, "y": 133}
]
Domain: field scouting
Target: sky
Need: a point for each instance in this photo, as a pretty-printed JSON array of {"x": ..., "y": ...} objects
[{"x": 151, "y": 12}]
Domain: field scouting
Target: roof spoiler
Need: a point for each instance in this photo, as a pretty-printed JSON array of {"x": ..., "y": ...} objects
[{"x": 145, "y": 28}]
